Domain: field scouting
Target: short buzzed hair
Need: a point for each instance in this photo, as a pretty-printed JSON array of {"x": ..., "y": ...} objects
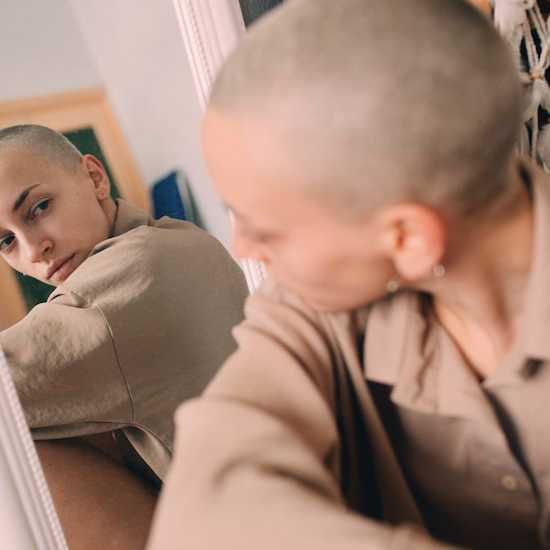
[
  {"x": 382, "y": 100},
  {"x": 42, "y": 141}
]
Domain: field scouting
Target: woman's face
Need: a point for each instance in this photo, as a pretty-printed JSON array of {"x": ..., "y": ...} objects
[
  {"x": 332, "y": 263},
  {"x": 50, "y": 219}
]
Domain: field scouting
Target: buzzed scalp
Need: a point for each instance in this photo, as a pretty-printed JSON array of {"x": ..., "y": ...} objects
[
  {"x": 382, "y": 100},
  {"x": 42, "y": 141}
]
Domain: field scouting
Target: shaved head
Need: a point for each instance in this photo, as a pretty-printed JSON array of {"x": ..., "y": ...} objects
[
  {"x": 378, "y": 101},
  {"x": 41, "y": 141}
]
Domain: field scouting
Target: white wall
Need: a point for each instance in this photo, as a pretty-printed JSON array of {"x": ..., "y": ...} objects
[
  {"x": 134, "y": 50},
  {"x": 138, "y": 50},
  {"x": 42, "y": 50}
]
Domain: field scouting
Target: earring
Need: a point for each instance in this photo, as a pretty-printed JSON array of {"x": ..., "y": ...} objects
[
  {"x": 392, "y": 285},
  {"x": 438, "y": 271}
]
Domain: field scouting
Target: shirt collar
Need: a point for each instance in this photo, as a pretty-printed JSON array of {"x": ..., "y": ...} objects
[
  {"x": 394, "y": 336},
  {"x": 405, "y": 347},
  {"x": 128, "y": 217}
]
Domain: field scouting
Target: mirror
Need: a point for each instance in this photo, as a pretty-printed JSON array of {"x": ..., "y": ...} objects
[
  {"x": 119, "y": 87},
  {"x": 126, "y": 80}
]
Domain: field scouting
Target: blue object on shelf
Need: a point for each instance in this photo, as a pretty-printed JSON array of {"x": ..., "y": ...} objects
[{"x": 171, "y": 197}]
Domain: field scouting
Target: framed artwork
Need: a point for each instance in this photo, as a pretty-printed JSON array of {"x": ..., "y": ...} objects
[{"x": 253, "y": 9}]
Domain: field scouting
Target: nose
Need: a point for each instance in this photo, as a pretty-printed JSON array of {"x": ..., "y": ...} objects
[
  {"x": 243, "y": 247},
  {"x": 38, "y": 250}
]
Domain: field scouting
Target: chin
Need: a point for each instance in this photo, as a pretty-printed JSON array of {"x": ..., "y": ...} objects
[
  {"x": 326, "y": 305},
  {"x": 337, "y": 303},
  {"x": 317, "y": 297}
]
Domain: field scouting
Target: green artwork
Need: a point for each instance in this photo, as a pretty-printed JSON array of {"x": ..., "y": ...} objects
[
  {"x": 253, "y": 9},
  {"x": 84, "y": 139}
]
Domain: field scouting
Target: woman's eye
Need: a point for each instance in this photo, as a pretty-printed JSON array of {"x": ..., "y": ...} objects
[
  {"x": 39, "y": 208},
  {"x": 6, "y": 243},
  {"x": 261, "y": 238},
  {"x": 264, "y": 238}
]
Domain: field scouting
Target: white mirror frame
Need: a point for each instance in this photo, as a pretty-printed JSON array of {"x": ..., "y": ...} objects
[
  {"x": 210, "y": 30},
  {"x": 27, "y": 515}
]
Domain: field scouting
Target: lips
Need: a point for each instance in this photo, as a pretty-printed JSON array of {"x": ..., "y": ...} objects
[{"x": 61, "y": 269}]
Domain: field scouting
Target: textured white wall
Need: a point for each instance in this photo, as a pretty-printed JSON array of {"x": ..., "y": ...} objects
[
  {"x": 42, "y": 50},
  {"x": 139, "y": 53}
]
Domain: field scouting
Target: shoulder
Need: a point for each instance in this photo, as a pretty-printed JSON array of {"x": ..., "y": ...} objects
[
  {"x": 278, "y": 319},
  {"x": 161, "y": 254},
  {"x": 166, "y": 243},
  {"x": 272, "y": 303},
  {"x": 162, "y": 235},
  {"x": 272, "y": 300}
]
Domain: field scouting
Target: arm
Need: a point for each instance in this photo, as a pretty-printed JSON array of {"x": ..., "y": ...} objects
[
  {"x": 254, "y": 462},
  {"x": 65, "y": 369}
]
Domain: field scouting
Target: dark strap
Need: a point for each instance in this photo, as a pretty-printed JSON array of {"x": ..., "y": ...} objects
[{"x": 134, "y": 462}]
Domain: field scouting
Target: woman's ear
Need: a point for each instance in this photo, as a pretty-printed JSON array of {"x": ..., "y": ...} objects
[
  {"x": 418, "y": 240},
  {"x": 98, "y": 176}
]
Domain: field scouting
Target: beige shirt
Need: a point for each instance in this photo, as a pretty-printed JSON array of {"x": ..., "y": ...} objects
[
  {"x": 290, "y": 447},
  {"x": 477, "y": 456},
  {"x": 141, "y": 325}
]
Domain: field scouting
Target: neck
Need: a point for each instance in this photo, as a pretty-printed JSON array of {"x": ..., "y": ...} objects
[
  {"x": 480, "y": 301},
  {"x": 110, "y": 208}
]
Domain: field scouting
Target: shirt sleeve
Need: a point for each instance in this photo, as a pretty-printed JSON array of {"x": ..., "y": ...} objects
[
  {"x": 254, "y": 460},
  {"x": 64, "y": 365}
]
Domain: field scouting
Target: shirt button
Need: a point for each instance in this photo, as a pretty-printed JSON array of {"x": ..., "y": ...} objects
[{"x": 509, "y": 482}]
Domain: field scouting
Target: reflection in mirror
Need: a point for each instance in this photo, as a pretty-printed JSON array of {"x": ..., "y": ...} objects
[
  {"x": 138, "y": 312},
  {"x": 85, "y": 139}
]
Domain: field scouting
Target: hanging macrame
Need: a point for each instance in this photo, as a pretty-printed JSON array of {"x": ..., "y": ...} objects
[{"x": 524, "y": 25}]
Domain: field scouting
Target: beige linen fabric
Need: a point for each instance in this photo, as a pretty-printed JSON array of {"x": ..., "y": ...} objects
[
  {"x": 140, "y": 326},
  {"x": 477, "y": 455},
  {"x": 290, "y": 447}
]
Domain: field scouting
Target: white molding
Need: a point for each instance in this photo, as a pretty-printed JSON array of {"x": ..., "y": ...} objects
[
  {"x": 210, "y": 30},
  {"x": 27, "y": 514}
]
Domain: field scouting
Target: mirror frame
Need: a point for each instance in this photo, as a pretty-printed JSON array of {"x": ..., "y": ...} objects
[{"x": 210, "y": 29}]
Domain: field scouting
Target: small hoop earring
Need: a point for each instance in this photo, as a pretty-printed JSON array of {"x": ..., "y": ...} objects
[
  {"x": 392, "y": 285},
  {"x": 439, "y": 271}
]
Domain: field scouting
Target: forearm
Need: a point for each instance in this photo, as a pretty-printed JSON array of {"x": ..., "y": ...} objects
[
  {"x": 258, "y": 486},
  {"x": 258, "y": 457},
  {"x": 66, "y": 373}
]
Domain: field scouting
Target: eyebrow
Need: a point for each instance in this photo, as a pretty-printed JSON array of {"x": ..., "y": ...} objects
[{"x": 22, "y": 197}]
